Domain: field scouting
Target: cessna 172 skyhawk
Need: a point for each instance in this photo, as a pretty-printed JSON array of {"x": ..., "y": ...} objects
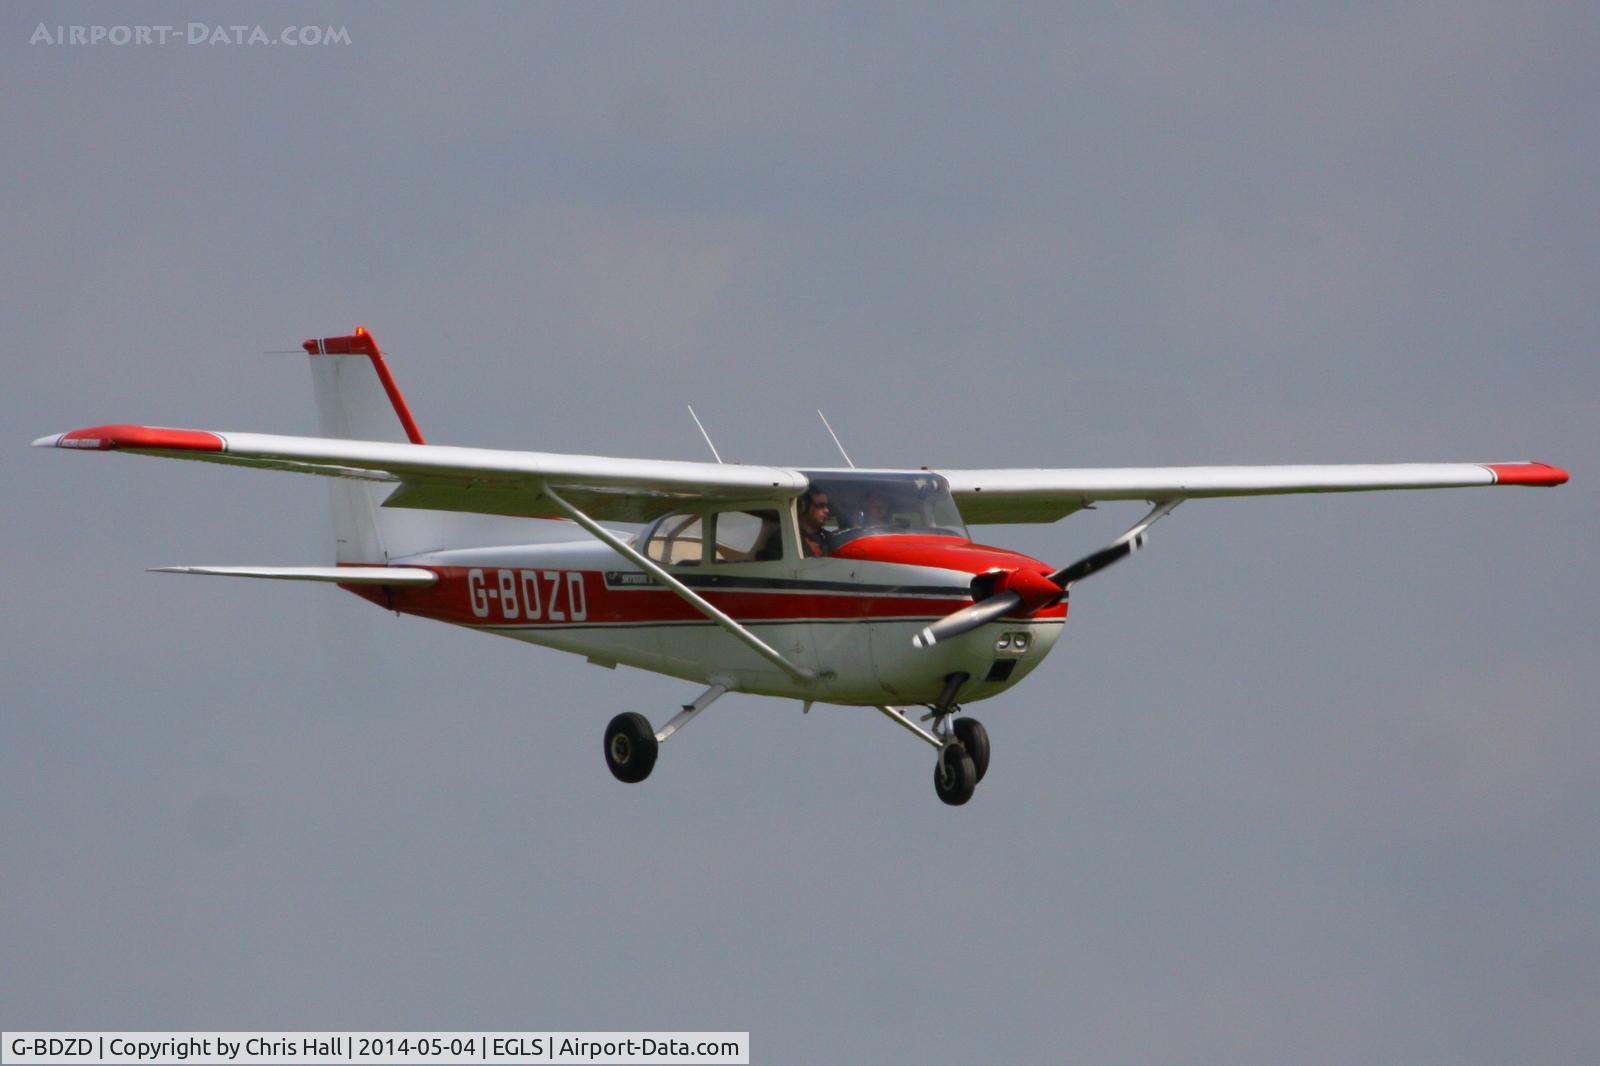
[{"x": 845, "y": 586}]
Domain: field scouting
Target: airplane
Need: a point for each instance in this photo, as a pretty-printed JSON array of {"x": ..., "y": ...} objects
[{"x": 856, "y": 587}]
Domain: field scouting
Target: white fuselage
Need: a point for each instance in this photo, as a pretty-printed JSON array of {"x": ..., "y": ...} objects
[{"x": 850, "y": 621}]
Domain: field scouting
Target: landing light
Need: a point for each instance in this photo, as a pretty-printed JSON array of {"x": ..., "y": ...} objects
[{"x": 1003, "y": 643}]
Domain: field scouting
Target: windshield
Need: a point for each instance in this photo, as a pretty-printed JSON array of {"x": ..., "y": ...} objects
[{"x": 863, "y": 504}]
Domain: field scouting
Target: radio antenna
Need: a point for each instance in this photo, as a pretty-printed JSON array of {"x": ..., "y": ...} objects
[
  {"x": 835, "y": 437},
  {"x": 703, "y": 432}
]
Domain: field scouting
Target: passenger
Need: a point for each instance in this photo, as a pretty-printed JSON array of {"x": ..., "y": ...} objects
[
  {"x": 875, "y": 513},
  {"x": 769, "y": 544}
]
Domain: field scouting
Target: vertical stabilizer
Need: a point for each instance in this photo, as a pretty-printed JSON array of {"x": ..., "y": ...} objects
[{"x": 357, "y": 399}]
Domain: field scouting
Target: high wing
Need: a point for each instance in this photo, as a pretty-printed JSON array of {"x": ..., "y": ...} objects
[
  {"x": 1019, "y": 495},
  {"x": 493, "y": 481},
  {"x": 448, "y": 478}
]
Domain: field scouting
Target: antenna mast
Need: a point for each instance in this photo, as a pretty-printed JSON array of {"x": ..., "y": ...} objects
[
  {"x": 835, "y": 437},
  {"x": 703, "y": 432}
]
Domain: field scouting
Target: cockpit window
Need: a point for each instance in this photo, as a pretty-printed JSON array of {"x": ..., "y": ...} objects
[
  {"x": 747, "y": 537},
  {"x": 864, "y": 504}
]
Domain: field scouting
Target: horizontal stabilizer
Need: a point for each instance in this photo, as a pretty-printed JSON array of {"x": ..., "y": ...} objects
[{"x": 338, "y": 575}]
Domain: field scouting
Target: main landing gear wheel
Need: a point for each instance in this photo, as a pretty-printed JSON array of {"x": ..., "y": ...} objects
[
  {"x": 954, "y": 777},
  {"x": 975, "y": 739},
  {"x": 630, "y": 747}
]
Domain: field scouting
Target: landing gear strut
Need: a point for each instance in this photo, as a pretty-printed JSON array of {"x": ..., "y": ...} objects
[{"x": 632, "y": 746}]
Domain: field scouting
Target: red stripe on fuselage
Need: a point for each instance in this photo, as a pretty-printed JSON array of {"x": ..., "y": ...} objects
[{"x": 503, "y": 596}]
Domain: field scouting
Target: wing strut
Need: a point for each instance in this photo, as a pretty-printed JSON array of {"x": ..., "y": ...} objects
[{"x": 689, "y": 596}]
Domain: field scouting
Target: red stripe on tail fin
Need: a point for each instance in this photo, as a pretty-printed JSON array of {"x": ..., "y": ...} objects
[{"x": 362, "y": 343}]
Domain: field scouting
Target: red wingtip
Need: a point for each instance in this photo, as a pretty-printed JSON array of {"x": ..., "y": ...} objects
[
  {"x": 1528, "y": 474},
  {"x": 107, "y": 438}
]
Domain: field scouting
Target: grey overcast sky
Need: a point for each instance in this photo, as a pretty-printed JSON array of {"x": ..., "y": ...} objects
[{"x": 1311, "y": 780}]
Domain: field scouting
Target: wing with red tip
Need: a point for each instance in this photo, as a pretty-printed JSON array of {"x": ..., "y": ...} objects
[
  {"x": 1001, "y": 496},
  {"x": 446, "y": 478},
  {"x": 491, "y": 481}
]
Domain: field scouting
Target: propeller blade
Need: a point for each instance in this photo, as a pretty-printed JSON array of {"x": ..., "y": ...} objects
[
  {"x": 1116, "y": 551},
  {"x": 967, "y": 619},
  {"x": 1010, "y": 601},
  {"x": 1098, "y": 561}
]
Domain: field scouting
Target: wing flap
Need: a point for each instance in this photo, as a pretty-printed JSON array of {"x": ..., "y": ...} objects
[{"x": 526, "y": 499}]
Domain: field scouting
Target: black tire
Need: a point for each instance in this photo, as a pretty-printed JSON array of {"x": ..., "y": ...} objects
[
  {"x": 954, "y": 776},
  {"x": 630, "y": 747},
  {"x": 975, "y": 739}
]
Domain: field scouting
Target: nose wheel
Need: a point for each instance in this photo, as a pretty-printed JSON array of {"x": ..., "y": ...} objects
[
  {"x": 975, "y": 738},
  {"x": 963, "y": 745},
  {"x": 954, "y": 776}
]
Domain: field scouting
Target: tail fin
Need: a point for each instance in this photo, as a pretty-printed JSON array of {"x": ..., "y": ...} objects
[{"x": 358, "y": 399}]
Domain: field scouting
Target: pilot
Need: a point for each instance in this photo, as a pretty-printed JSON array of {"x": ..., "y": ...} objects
[{"x": 814, "y": 510}]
